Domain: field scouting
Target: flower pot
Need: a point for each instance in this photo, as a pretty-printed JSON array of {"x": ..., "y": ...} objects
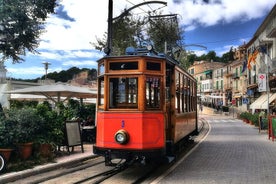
[
  {"x": 6, "y": 153},
  {"x": 45, "y": 150},
  {"x": 25, "y": 150}
]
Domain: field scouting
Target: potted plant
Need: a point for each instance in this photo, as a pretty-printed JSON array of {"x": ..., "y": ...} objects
[
  {"x": 26, "y": 123},
  {"x": 245, "y": 116},
  {"x": 50, "y": 130},
  {"x": 6, "y": 138}
]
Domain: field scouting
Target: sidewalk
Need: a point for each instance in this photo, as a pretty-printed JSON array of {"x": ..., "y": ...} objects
[
  {"x": 74, "y": 157},
  {"x": 212, "y": 112}
]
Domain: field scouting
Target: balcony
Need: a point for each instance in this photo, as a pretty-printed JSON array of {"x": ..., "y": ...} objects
[
  {"x": 227, "y": 74},
  {"x": 235, "y": 76},
  {"x": 271, "y": 29},
  {"x": 218, "y": 75},
  {"x": 227, "y": 87}
]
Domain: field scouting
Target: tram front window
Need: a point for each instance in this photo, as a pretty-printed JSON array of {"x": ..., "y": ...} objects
[{"x": 123, "y": 92}]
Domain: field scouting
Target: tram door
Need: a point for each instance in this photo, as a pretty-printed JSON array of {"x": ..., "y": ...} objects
[{"x": 168, "y": 100}]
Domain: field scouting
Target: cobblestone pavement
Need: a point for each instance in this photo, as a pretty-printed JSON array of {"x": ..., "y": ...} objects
[{"x": 233, "y": 152}]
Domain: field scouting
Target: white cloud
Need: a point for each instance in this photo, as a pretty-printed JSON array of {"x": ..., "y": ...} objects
[
  {"x": 67, "y": 43},
  {"x": 194, "y": 12},
  {"x": 91, "y": 20},
  {"x": 80, "y": 63}
]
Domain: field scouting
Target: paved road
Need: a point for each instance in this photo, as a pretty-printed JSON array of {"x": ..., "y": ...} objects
[{"x": 233, "y": 152}]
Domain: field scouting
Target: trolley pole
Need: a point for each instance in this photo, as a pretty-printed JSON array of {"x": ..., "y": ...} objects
[{"x": 108, "y": 49}]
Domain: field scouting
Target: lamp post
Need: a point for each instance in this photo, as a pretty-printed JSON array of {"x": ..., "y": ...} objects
[{"x": 46, "y": 66}]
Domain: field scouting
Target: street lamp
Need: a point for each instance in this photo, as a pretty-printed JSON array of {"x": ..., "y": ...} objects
[{"x": 46, "y": 66}]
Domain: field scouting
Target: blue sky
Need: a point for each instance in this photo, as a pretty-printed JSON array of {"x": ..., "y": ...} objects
[{"x": 215, "y": 24}]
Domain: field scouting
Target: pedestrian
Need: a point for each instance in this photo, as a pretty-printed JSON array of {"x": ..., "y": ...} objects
[{"x": 261, "y": 119}]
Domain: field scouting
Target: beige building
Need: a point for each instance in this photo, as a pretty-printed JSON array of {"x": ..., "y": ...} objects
[
  {"x": 264, "y": 41},
  {"x": 210, "y": 81}
]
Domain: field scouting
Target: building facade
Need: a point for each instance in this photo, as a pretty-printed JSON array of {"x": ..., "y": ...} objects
[{"x": 244, "y": 82}]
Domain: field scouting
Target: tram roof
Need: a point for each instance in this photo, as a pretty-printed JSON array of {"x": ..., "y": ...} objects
[{"x": 143, "y": 52}]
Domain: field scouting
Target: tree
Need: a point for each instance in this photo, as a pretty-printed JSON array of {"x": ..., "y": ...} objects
[
  {"x": 126, "y": 32},
  {"x": 21, "y": 24},
  {"x": 136, "y": 31},
  {"x": 165, "y": 29}
]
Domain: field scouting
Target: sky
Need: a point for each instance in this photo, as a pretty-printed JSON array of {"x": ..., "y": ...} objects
[{"x": 217, "y": 25}]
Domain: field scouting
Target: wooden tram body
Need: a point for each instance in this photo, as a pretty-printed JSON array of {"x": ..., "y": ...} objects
[{"x": 146, "y": 106}]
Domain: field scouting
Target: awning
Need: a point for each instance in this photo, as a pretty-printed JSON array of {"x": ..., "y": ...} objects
[
  {"x": 237, "y": 96},
  {"x": 261, "y": 102},
  {"x": 214, "y": 96},
  {"x": 207, "y": 71}
]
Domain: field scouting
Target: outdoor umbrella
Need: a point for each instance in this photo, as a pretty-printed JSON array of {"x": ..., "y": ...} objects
[{"x": 54, "y": 92}]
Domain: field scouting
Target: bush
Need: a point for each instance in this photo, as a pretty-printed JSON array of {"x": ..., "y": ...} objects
[
  {"x": 245, "y": 115},
  {"x": 51, "y": 128},
  {"x": 6, "y": 135},
  {"x": 26, "y": 123}
]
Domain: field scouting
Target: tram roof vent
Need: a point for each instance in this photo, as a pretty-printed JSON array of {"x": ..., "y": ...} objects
[
  {"x": 131, "y": 51},
  {"x": 141, "y": 51}
]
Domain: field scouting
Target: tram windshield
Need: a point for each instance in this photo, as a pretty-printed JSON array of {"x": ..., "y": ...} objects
[{"x": 123, "y": 92}]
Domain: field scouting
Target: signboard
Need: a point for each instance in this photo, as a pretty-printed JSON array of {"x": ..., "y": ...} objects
[
  {"x": 73, "y": 134},
  {"x": 273, "y": 120},
  {"x": 261, "y": 82},
  {"x": 245, "y": 101}
]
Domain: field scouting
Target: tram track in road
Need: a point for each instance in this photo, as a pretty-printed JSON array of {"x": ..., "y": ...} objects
[
  {"x": 46, "y": 176},
  {"x": 95, "y": 171}
]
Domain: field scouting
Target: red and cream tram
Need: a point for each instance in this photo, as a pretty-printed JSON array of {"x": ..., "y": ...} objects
[{"x": 146, "y": 106}]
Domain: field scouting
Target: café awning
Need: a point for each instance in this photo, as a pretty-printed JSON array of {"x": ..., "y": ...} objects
[{"x": 261, "y": 102}]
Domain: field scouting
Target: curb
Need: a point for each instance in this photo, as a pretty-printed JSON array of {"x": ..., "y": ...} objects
[{"x": 10, "y": 177}]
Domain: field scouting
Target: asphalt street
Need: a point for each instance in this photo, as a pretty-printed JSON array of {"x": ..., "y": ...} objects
[{"x": 232, "y": 152}]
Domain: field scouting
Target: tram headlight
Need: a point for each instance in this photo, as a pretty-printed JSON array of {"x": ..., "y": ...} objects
[{"x": 121, "y": 137}]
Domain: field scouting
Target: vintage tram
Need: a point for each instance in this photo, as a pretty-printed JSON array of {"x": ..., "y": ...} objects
[{"x": 146, "y": 106}]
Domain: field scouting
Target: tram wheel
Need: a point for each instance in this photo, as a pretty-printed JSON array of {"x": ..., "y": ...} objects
[{"x": 2, "y": 163}]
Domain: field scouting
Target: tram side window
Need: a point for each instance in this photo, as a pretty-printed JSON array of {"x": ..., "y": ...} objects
[
  {"x": 177, "y": 88},
  {"x": 186, "y": 94},
  {"x": 153, "y": 93},
  {"x": 101, "y": 91},
  {"x": 189, "y": 96},
  {"x": 123, "y": 92}
]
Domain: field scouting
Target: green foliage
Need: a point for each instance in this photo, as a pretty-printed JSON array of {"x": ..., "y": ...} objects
[
  {"x": 75, "y": 110},
  {"x": 66, "y": 75},
  {"x": 254, "y": 118},
  {"x": 26, "y": 123},
  {"x": 50, "y": 129},
  {"x": 21, "y": 25},
  {"x": 6, "y": 135},
  {"x": 165, "y": 30},
  {"x": 245, "y": 115},
  {"x": 21, "y": 104}
]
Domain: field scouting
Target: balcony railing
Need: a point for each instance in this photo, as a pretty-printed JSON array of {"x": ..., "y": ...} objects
[{"x": 235, "y": 76}]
